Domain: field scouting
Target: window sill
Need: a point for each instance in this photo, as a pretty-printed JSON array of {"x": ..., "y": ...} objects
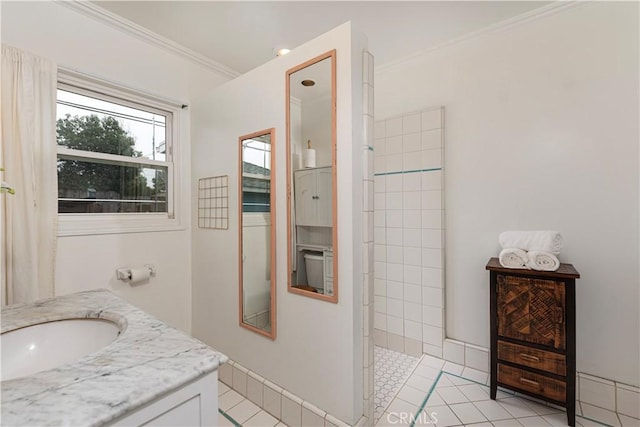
[{"x": 94, "y": 224}]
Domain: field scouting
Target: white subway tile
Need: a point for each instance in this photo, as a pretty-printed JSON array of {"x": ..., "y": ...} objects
[
  {"x": 379, "y": 219},
  {"x": 413, "y": 312},
  {"x": 379, "y": 128},
  {"x": 395, "y": 307},
  {"x": 411, "y": 142},
  {"x": 431, "y": 139},
  {"x": 380, "y": 184},
  {"x": 379, "y": 201},
  {"x": 379, "y": 164},
  {"x": 394, "y": 200},
  {"x": 413, "y": 329},
  {"x": 412, "y": 274},
  {"x": 453, "y": 351},
  {"x": 411, "y": 200},
  {"x": 380, "y": 287},
  {"x": 380, "y": 321},
  {"x": 380, "y": 270},
  {"x": 379, "y": 233},
  {"x": 413, "y": 346},
  {"x": 255, "y": 390},
  {"x": 312, "y": 418},
  {"x": 411, "y": 123},
  {"x": 367, "y": 195},
  {"x": 628, "y": 402},
  {"x": 476, "y": 357},
  {"x": 395, "y": 290},
  {"x": 394, "y": 182},
  {"x": 394, "y": 145},
  {"x": 598, "y": 414},
  {"x": 379, "y": 147},
  {"x": 432, "y": 219},
  {"x": 395, "y": 325},
  {"x": 597, "y": 392},
  {"x": 412, "y": 293},
  {"x": 380, "y": 335},
  {"x": 432, "y": 258},
  {"x": 291, "y": 409},
  {"x": 432, "y": 297},
  {"x": 432, "y": 335},
  {"x": 431, "y": 119},
  {"x": 394, "y": 216},
  {"x": 432, "y": 277},
  {"x": 394, "y": 127},
  {"x": 394, "y": 273},
  {"x": 394, "y": 236},
  {"x": 413, "y": 256},
  {"x": 412, "y": 218},
  {"x": 411, "y": 182},
  {"x": 395, "y": 255},
  {"x": 431, "y": 159},
  {"x": 627, "y": 421},
  {"x": 433, "y": 350},
  {"x": 272, "y": 399},
  {"x": 431, "y": 180},
  {"x": 396, "y": 342},
  {"x": 411, "y": 162},
  {"x": 412, "y": 237},
  {"x": 432, "y": 199},
  {"x": 432, "y": 316},
  {"x": 380, "y": 304},
  {"x": 394, "y": 163},
  {"x": 431, "y": 238},
  {"x": 240, "y": 379},
  {"x": 380, "y": 253}
]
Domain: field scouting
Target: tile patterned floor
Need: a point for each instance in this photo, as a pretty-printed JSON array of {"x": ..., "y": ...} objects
[
  {"x": 442, "y": 394},
  {"x": 390, "y": 372}
]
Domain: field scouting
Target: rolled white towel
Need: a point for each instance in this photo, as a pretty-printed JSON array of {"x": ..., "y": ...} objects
[
  {"x": 543, "y": 261},
  {"x": 513, "y": 258},
  {"x": 545, "y": 241}
]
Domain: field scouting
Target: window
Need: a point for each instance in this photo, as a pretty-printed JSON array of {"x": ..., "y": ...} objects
[
  {"x": 256, "y": 175},
  {"x": 115, "y": 157}
]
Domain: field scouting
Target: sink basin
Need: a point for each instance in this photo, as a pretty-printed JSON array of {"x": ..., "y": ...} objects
[{"x": 45, "y": 346}]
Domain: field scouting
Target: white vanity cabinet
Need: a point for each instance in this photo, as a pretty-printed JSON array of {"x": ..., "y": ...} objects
[{"x": 312, "y": 194}]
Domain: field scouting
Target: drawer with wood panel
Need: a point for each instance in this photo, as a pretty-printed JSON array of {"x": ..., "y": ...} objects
[
  {"x": 532, "y": 357},
  {"x": 533, "y": 383}
]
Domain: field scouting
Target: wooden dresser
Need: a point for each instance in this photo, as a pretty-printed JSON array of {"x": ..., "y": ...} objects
[{"x": 533, "y": 333}]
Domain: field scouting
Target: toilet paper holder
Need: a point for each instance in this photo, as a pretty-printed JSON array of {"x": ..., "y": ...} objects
[{"x": 124, "y": 274}]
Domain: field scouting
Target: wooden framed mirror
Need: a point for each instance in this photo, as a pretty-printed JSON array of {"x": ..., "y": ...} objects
[
  {"x": 257, "y": 232},
  {"x": 312, "y": 220}
]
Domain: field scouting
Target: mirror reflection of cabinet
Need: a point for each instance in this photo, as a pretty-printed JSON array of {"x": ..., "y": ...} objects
[
  {"x": 256, "y": 207},
  {"x": 311, "y": 185},
  {"x": 313, "y": 197}
]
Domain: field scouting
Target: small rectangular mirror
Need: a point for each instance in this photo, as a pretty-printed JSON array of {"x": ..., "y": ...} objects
[
  {"x": 257, "y": 232},
  {"x": 311, "y": 178}
]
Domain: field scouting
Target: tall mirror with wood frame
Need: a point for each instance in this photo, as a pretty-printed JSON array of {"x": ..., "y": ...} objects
[
  {"x": 257, "y": 229},
  {"x": 311, "y": 178}
]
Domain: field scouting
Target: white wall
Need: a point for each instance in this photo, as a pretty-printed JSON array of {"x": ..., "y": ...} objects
[
  {"x": 542, "y": 133},
  {"x": 83, "y": 44},
  {"x": 318, "y": 351}
]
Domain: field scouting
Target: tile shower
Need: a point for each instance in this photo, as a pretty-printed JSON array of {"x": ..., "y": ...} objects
[{"x": 408, "y": 236}]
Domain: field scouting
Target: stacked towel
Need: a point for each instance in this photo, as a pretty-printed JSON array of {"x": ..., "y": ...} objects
[
  {"x": 513, "y": 258},
  {"x": 535, "y": 250},
  {"x": 545, "y": 241}
]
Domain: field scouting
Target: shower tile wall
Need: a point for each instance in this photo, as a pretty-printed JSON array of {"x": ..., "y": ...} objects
[{"x": 409, "y": 233}]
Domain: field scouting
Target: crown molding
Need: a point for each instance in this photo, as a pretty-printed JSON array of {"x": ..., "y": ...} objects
[
  {"x": 532, "y": 15},
  {"x": 100, "y": 14}
]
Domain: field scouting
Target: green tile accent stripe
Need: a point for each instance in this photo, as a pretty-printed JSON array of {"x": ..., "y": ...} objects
[
  {"x": 370, "y": 148},
  {"x": 224, "y": 414},
  {"x": 424, "y": 402},
  {"x": 411, "y": 171}
]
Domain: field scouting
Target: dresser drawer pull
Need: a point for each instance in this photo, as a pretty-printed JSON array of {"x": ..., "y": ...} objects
[
  {"x": 529, "y": 382},
  {"x": 529, "y": 357}
]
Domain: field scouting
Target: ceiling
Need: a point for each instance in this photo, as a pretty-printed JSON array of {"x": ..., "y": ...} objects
[{"x": 242, "y": 35}]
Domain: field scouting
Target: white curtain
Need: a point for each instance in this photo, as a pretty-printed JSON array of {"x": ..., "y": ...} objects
[{"x": 29, "y": 217}]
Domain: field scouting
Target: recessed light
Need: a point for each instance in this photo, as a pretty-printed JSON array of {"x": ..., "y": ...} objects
[
  {"x": 282, "y": 51},
  {"x": 307, "y": 83}
]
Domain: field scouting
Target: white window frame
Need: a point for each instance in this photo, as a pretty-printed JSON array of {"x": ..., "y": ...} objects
[{"x": 77, "y": 224}]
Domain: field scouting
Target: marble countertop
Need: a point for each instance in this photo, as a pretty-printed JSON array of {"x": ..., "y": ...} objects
[{"x": 147, "y": 360}]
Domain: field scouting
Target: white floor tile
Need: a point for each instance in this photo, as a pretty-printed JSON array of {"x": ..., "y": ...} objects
[
  {"x": 453, "y": 368},
  {"x": 475, "y": 375},
  {"x": 517, "y": 407},
  {"x": 599, "y": 414},
  {"x": 229, "y": 400},
  {"x": 435, "y": 400},
  {"x": 451, "y": 395},
  {"x": 421, "y": 383},
  {"x": 536, "y": 421},
  {"x": 443, "y": 416},
  {"x": 261, "y": 419},
  {"x": 492, "y": 410},
  {"x": 467, "y": 413},
  {"x": 432, "y": 362},
  {"x": 412, "y": 395},
  {"x": 626, "y": 421},
  {"x": 426, "y": 371},
  {"x": 223, "y": 421},
  {"x": 243, "y": 411},
  {"x": 222, "y": 388},
  {"x": 399, "y": 406},
  {"x": 475, "y": 392},
  {"x": 506, "y": 423},
  {"x": 459, "y": 381}
]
